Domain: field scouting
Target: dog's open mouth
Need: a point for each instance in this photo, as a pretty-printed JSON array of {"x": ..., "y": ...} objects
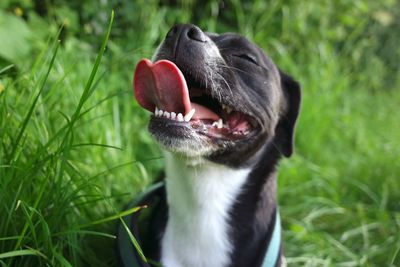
[{"x": 162, "y": 89}]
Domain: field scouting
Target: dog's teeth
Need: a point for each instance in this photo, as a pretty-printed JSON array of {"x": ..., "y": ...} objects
[
  {"x": 160, "y": 112},
  {"x": 166, "y": 114},
  {"x": 220, "y": 124},
  {"x": 189, "y": 115},
  {"x": 214, "y": 124},
  {"x": 173, "y": 115},
  {"x": 179, "y": 117},
  {"x": 156, "y": 111}
]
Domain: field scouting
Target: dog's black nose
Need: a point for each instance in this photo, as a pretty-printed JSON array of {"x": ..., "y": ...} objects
[{"x": 185, "y": 31}]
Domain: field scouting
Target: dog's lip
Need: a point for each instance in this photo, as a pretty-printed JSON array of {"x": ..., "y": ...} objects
[
  {"x": 228, "y": 125},
  {"x": 203, "y": 128}
]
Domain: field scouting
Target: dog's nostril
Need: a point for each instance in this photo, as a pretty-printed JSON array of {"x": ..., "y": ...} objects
[
  {"x": 188, "y": 32},
  {"x": 172, "y": 32},
  {"x": 195, "y": 33}
]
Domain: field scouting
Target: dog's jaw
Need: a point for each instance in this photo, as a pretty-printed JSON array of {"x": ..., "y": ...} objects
[{"x": 200, "y": 195}]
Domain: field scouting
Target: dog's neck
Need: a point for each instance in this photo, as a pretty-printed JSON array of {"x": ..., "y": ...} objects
[
  {"x": 213, "y": 214},
  {"x": 200, "y": 196}
]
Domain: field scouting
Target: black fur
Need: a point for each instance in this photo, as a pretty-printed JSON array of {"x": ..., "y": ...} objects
[{"x": 250, "y": 82}]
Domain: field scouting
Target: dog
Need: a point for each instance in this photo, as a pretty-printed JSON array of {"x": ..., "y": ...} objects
[{"x": 225, "y": 114}]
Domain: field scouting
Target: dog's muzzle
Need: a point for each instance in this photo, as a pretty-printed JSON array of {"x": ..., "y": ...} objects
[{"x": 183, "y": 89}]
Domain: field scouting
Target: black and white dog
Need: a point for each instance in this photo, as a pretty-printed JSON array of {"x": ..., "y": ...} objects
[{"x": 225, "y": 114}]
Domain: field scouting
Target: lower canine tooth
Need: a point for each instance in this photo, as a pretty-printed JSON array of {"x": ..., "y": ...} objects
[
  {"x": 189, "y": 115},
  {"x": 156, "y": 111},
  {"x": 179, "y": 117},
  {"x": 220, "y": 124}
]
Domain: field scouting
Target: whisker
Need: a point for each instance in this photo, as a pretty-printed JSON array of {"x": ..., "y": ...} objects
[
  {"x": 226, "y": 83},
  {"x": 234, "y": 68}
]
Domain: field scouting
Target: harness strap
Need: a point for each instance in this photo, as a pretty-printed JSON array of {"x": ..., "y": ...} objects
[
  {"x": 128, "y": 256},
  {"x": 273, "y": 253}
]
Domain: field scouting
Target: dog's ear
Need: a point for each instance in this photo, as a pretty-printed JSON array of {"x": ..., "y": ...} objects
[{"x": 284, "y": 138}]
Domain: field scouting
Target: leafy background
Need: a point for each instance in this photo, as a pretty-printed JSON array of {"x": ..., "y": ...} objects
[{"x": 74, "y": 150}]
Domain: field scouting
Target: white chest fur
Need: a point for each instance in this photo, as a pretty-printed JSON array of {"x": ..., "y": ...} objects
[{"x": 199, "y": 198}]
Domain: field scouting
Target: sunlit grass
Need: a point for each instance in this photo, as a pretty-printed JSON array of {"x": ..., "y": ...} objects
[{"x": 49, "y": 194}]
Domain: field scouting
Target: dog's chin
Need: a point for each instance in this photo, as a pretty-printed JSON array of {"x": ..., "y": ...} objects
[{"x": 196, "y": 140}]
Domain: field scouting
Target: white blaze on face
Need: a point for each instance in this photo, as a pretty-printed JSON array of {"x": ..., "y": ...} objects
[{"x": 200, "y": 195}]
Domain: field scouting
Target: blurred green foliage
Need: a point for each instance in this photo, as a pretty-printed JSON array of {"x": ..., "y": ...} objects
[
  {"x": 304, "y": 28},
  {"x": 339, "y": 194}
]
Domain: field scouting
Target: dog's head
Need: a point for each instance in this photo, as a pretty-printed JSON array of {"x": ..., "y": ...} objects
[{"x": 232, "y": 97}]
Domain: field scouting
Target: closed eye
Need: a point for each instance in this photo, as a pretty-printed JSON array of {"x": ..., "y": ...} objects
[{"x": 247, "y": 57}]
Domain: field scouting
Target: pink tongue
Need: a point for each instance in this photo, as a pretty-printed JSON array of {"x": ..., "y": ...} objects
[{"x": 161, "y": 85}]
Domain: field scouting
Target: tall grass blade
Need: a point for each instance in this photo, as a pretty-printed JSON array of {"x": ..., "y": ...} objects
[
  {"x": 32, "y": 107},
  {"x": 134, "y": 241},
  {"x": 22, "y": 252},
  {"x": 114, "y": 217}
]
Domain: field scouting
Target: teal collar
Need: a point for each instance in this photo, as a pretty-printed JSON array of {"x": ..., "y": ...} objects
[{"x": 274, "y": 247}]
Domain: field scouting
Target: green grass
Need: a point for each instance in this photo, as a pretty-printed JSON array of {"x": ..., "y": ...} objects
[{"x": 74, "y": 146}]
